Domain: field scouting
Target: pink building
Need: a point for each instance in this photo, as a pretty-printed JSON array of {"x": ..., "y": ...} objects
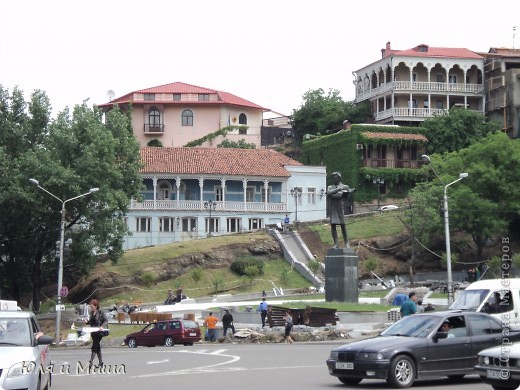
[{"x": 180, "y": 114}]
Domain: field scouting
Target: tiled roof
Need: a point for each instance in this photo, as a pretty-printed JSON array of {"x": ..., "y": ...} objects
[
  {"x": 216, "y": 161},
  {"x": 415, "y": 137},
  {"x": 503, "y": 51},
  {"x": 183, "y": 88},
  {"x": 440, "y": 52}
]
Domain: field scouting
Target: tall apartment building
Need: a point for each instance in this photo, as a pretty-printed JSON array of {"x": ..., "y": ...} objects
[
  {"x": 405, "y": 87},
  {"x": 502, "y": 81}
]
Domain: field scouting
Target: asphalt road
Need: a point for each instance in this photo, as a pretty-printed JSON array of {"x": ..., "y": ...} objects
[{"x": 216, "y": 366}]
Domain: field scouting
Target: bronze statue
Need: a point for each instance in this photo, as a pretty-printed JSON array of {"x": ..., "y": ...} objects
[{"x": 336, "y": 192}]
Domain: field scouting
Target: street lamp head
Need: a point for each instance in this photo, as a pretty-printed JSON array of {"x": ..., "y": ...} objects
[
  {"x": 34, "y": 182},
  {"x": 426, "y": 158},
  {"x": 95, "y": 189},
  {"x": 463, "y": 175}
]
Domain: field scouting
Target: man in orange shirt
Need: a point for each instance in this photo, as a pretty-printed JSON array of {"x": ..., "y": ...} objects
[{"x": 211, "y": 323}]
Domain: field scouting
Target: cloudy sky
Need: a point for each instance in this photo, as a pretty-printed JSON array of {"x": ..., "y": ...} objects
[{"x": 270, "y": 52}]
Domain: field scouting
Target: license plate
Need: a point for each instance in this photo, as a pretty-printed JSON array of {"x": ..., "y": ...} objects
[
  {"x": 494, "y": 374},
  {"x": 193, "y": 334},
  {"x": 344, "y": 366}
]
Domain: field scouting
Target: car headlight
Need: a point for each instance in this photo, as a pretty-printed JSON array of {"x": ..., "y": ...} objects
[
  {"x": 21, "y": 369},
  {"x": 334, "y": 355},
  {"x": 372, "y": 356},
  {"x": 484, "y": 360}
]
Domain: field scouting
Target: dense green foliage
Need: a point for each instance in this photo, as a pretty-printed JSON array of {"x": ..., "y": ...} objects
[
  {"x": 241, "y": 144},
  {"x": 321, "y": 113},
  {"x": 68, "y": 156},
  {"x": 457, "y": 130},
  {"x": 211, "y": 136}
]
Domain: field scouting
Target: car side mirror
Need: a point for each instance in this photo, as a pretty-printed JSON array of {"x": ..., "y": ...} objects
[
  {"x": 441, "y": 335},
  {"x": 44, "y": 340}
]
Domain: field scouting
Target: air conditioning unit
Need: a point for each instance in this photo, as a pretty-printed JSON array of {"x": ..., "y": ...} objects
[{"x": 359, "y": 146}]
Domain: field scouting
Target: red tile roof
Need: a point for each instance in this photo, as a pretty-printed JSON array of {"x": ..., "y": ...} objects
[
  {"x": 439, "y": 52},
  {"x": 182, "y": 88},
  {"x": 415, "y": 137},
  {"x": 216, "y": 161}
]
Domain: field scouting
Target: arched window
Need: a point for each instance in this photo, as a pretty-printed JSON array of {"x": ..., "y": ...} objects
[
  {"x": 187, "y": 118},
  {"x": 154, "y": 117},
  {"x": 242, "y": 119}
]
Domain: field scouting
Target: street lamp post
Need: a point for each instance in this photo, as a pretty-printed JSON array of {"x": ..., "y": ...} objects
[
  {"x": 210, "y": 205},
  {"x": 379, "y": 181},
  {"x": 62, "y": 242},
  {"x": 446, "y": 226},
  {"x": 296, "y": 192}
]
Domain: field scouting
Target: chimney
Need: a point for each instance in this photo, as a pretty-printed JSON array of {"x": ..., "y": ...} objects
[{"x": 384, "y": 51}]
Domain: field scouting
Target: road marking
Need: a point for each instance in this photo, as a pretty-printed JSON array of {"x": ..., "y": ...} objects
[{"x": 159, "y": 361}]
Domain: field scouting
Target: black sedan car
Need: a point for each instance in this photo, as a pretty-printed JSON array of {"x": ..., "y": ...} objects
[{"x": 419, "y": 346}]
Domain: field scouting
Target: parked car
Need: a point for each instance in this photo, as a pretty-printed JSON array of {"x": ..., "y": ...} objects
[
  {"x": 500, "y": 366},
  {"x": 24, "y": 357},
  {"x": 388, "y": 207},
  {"x": 415, "y": 347},
  {"x": 167, "y": 333}
]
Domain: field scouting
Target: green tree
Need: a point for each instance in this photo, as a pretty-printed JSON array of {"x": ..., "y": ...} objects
[
  {"x": 456, "y": 130},
  {"x": 241, "y": 144},
  {"x": 67, "y": 155},
  {"x": 196, "y": 274},
  {"x": 314, "y": 266},
  {"x": 251, "y": 272}
]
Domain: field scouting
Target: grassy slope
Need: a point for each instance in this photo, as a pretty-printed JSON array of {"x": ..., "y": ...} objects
[{"x": 134, "y": 261}]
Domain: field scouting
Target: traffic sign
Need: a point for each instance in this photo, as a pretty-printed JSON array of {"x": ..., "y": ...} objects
[{"x": 64, "y": 291}]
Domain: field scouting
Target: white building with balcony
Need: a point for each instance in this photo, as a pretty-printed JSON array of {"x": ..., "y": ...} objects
[
  {"x": 191, "y": 193},
  {"x": 405, "y": 87}
]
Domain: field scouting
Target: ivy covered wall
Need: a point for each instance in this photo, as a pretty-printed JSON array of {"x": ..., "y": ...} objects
[{"x": 338, "y": 152}]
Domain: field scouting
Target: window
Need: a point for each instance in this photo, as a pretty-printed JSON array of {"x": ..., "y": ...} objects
[
  {"x": 426, "y": 104},
  {"x": 242, "y": 131},
  {"x": 250, "y": 194},
  {"x": 440, "y": 104},
  {"x": 233, "y": 225},
  {"x": 255, "y": 223},
  {"x": 268, "y": 194},
  {"x": 439, "y": 78},
  {"x": 189, "y": 225},
  {"x": 187, "y": 118},
  {"x": 452, "y": 79},
  {"x": 414, "y": 76},
  {"x": 412, "y": 103},
  {"x": 166, "y": 224},
  {"x": 311, "y": 195},
  {"x": 242, "y": 119},
  {"x": 164, "y": 191},
  {"x": 154, "y": 117},
  {"x": 219, "y": 193},
  {"x": 483, "y": 326},
  {"x": 203, "y": 97},
  {"x": 143, "y": 224},
  {"x": 176, "y": 97},
  {"x": 212, "y": 225},
  {"x": 149, "y": 97}
]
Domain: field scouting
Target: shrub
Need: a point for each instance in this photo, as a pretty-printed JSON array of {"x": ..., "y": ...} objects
[
  {"x": 148, "y": 278},
  {"x": 239, "y": 266}
]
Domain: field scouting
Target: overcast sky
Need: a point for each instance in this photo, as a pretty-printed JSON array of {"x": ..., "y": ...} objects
[{"x": 269, "y": 52}]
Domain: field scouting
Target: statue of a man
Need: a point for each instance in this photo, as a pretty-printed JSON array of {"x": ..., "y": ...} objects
[{"x": 336, "y": 192}]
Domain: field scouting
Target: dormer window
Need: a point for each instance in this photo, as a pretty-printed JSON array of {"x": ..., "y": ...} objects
[
  {"x": 422, "y": 48},
  {"x": 176, "y": 97},
  {"x": 203, "y": 97},
  {"x": 149, "y": 97}
]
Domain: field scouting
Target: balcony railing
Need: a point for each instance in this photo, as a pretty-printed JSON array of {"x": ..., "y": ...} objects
[
  {"x": 413, "y": 113},
  {"x": 416, "y": 86},
  {"x": 197, "y": 205},
  {"x": 155, "y": 128},
  {"x": 392, "y": 163}
]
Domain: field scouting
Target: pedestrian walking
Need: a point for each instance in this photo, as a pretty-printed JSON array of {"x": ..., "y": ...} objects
[
  {"x": 97, "y": 319},
  {"x": 211, "y": 323},
  {"x": 262, "y": 308},
  {"x": 169, "y": 298},
  {"x": 288, "y": 327},
  {"x": 227, "y": 322},
  {"x": 409, "y": 307}
]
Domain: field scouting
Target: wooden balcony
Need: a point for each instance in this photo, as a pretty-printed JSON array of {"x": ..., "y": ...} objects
[
  {"x": 197, "y": 205},
  {"x": 385, "y": 163},
  {"x": 154, "y": 129}
]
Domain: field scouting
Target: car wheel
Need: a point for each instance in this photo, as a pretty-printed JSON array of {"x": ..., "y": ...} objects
[
  {"x": 132, "y": 343},
  {"x": 168, "y": 341},
  {"x": 402, "y": 372},
  {"x": 350, "y": 381}
]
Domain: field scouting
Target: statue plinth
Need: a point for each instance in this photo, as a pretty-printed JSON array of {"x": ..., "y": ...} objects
[{"x": 341, "y": 275}]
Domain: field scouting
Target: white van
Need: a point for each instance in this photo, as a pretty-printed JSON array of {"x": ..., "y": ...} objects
[{"x": 498, "y": 297}]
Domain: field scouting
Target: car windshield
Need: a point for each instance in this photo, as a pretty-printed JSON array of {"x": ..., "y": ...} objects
[
  {"x": 470, "y": 300},
  {"x": 413, "y": 326},
  {"x": 14, "y": 331}
]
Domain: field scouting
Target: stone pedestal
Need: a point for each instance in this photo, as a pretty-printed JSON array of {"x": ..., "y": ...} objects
[{"x": 341, "y": 275}]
